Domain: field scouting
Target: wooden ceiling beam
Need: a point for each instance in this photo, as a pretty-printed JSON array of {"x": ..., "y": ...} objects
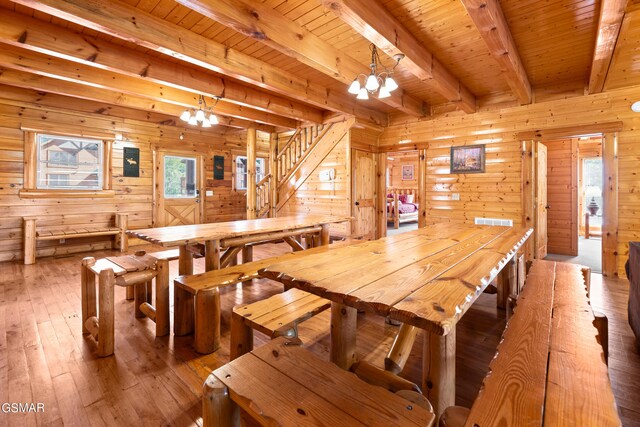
[
  {"x": 275, "y": 30},
  {"x": 62, "y": 87},
  {"x": 488, "y": 17},
  {"x": 374, "y": 22},
  {"x": 126, "y": 22},
  {"x": 34, "y": 62},
  {"x": 29, "y": 33},
  {"x": 611, "y": 15}
]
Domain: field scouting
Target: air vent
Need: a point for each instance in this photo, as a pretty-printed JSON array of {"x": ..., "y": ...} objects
[{"x": 494, "y": 221}]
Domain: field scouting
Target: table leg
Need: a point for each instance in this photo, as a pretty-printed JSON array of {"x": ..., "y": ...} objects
[
  {"x": 217, "y": 407},
  {"x": 507, "y": 282},
  {"x": 88, "y": 291},
  {"x": 162, "y": 298},
  {"x": 400, "y": 349},
  {"x": 185, "y": 262},
  {"x": 439, "y": 370},
  {"x": 343, "y": 335},
  {"x": 106, "y": 316},
  {"x": 212, "y": 255},
  {"x": 324, "y": 235}
]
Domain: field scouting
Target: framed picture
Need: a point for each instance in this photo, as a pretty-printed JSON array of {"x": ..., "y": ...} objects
[
  {"x": 218, "y": 167},
  {"x": 131, "y": 162},
  {"x": 467, "y": 159},
  {"x": 407, "y": 172}
]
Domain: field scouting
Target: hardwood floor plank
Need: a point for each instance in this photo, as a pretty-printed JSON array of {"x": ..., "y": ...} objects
[{"x": 69, "y": 403}]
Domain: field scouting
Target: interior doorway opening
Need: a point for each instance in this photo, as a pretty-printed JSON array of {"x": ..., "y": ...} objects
[
  {"x": 401, "y": 177},
  {"x": 575, "y": 179}
]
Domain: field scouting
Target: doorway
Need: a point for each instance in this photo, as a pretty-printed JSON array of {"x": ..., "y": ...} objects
[
  {"x": 401, "y": 177},
  {"x": 363, "y": 172},
  {"x": 574, "y": 200},
  {"x": 178, "y": 184}
]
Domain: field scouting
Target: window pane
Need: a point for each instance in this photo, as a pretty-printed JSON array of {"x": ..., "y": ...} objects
[
  {"x": 592, "y": 188},
  {"x": 69, "y": 163},
  {"x": 179, "y": 177},
  {"x": 241, "y": 171}
]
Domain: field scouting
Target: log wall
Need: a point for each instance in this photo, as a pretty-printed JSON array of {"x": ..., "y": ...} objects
[
  {"x": 132, "y": 195},
  {"x": 496, "y": 193}
]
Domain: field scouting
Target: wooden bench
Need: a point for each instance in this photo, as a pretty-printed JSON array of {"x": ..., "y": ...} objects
[
  {"x": 132, "y": 271},
  {"x": 286, "y": 385},
  {"x": 33, "y": 232},
  {"x": 549, "y": 368},
  {"x": 275, "y": 316},
  {"x": 197, "y": 297}
]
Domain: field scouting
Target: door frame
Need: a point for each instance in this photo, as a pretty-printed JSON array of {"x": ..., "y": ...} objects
[
  {"x": 609, "y": 132},
  {"x": 158, "y": 192}
]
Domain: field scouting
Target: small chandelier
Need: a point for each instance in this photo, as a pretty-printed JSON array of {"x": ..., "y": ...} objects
[
  {"x": 381, "y": 82},
  {"x": 203, "y": 116}
]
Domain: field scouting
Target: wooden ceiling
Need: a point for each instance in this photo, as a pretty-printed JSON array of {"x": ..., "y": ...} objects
[{"x": 281, "y": 63}]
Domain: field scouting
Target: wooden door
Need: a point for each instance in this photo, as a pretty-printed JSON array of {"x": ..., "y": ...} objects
[
  {"x": 541, "y": 201},
  {"x": 364, "y": 194},
  {"x": 178, "y": 185}
]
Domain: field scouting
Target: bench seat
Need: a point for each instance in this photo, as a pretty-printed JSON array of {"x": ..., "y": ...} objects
[
  {"x": 284, "y": 384},
  {"x": 275, "y": 316},
  {"x": 32, "y": 232}
]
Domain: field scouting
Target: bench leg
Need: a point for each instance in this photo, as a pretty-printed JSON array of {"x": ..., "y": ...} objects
[
  {"x": 247, "y": 256},
  {"x": 241, "y": 337},
  {"x": 182, "y": 311},
  {"x": 507, "y": 283},
  {"x": 343, "y": 335},
  {"x": 162, "y": 298},
  {"x": 140, "y": 297},
  {"x": 106, "y": 316},
  {"x": 400, "y": 349},
  {"x": 88, "y": 291},
  {"x": 211, "y": 255},
  {"x": 130, "y": 293},
  {"x": 207, "y": 336},
  {"x": 217, "y": 407},
  {"x": 29, "y": 237},
  {"x": 185, "y": 262},
  {"x": 324, "y": 235},
  {"x": 439, "y": 370}
]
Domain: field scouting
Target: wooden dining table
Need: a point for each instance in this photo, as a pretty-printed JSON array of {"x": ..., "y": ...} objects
[
  {"x": 426, "y": 279},
  {"x": 224, "y": 240}
]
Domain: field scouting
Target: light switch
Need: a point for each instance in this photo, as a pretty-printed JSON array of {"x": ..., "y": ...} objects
[
  {"x": 455, "y": 196},
  {"x": 209, "y": 193}
]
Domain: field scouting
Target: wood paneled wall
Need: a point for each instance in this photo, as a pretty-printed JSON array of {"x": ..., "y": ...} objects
[
  {"x": 394, "y": 166},
  {"x": 562, "y": 192},
  {"x": 497, "y": 193},
  {"x": 132, "y": 195}
]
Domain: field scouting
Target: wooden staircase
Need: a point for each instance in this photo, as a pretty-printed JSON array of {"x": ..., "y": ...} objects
[{"x": 295, "y": 161}]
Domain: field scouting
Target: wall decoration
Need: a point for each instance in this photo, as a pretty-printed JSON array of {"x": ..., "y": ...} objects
[
  {"x": 407, "y": 172},
  {"x": 131, "y": 162},
  {"x": 218, "y": 167},
  {"x": 467, "y": 159}
]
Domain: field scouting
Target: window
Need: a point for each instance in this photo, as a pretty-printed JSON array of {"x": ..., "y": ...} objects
[
  {"x": 179, "y": 177},
  {"x": 241, "y": 171},
  {"x": 69, "y": 163}
]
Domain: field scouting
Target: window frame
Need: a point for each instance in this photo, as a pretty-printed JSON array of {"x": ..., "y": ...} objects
[
  {"x": 30, "y": 189},
  {"x": 259, "y": 177}
]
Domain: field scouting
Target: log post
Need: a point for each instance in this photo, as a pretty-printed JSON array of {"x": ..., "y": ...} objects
[
  {"x": 273, "y": 170},
  {"x": 207, "y": 337},
  {"x": 182, "y": 311},
  {"x": 422, "y": 189},
  {"x": 140, "y": 297},
  {"x": 87, "y": 291},
  {"x": 106, "y": 313},
  {"x": 162, "y": 298},
  {"x": 439, "y": 370},
  {"x": 212, "y": 255},
  {"x": 343, "y": 335},
  {"x": 241, "y": 337},
  {"x": 251, "y": 173},
  {"x": 185, "y": 261},
  {"x": 325, "y": 237},
  {"x": 217, "y": 407},
  {"x": 122, "y": 241},
  {"x": 400, "y": 349},
  {"x": 29, "y": 226}
]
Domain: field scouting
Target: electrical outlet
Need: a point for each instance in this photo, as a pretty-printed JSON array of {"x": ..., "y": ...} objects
[{"x": 455, "y": 196}]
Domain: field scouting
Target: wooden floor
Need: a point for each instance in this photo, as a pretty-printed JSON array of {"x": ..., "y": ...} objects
[{"x": 157, "y": 381}]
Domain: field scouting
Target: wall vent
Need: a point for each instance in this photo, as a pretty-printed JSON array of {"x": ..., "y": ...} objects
[{"x": 494, "y": 221}]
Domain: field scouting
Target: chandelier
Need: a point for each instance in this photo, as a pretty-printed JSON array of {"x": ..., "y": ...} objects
[
  {"x": 202, "y": 116},
  {"x": 382, "y": 81}
]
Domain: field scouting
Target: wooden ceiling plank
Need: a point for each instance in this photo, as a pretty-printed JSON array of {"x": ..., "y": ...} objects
[
  {"x": 611, "y": 16},
  {"x": 128, "y": 23},
  {"x": 62, "y": 87},
  {"x": 287, "y": 36},
  {"x": 384, "y": 30},
  {"x": 488, "y": 17},
  {"x": 34, "y": 62},
  {"x": 19, "y": 30}
]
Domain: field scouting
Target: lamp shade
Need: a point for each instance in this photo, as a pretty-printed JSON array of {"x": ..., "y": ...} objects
[
  {"x": 354, "y": 88},
  {"x": 363, "y": 94},
  {"x": 206, "y": 123},
  {"x": 384, "y": 92},
  {"x": 185, "y": 116},
  {"x": 199, "y": 115},
  {"x": 193, "y": 121},
  {"x": 213, "y": 119},
  {"x": 372, "y": 83},
  {"x": 390, "y": 84}
]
